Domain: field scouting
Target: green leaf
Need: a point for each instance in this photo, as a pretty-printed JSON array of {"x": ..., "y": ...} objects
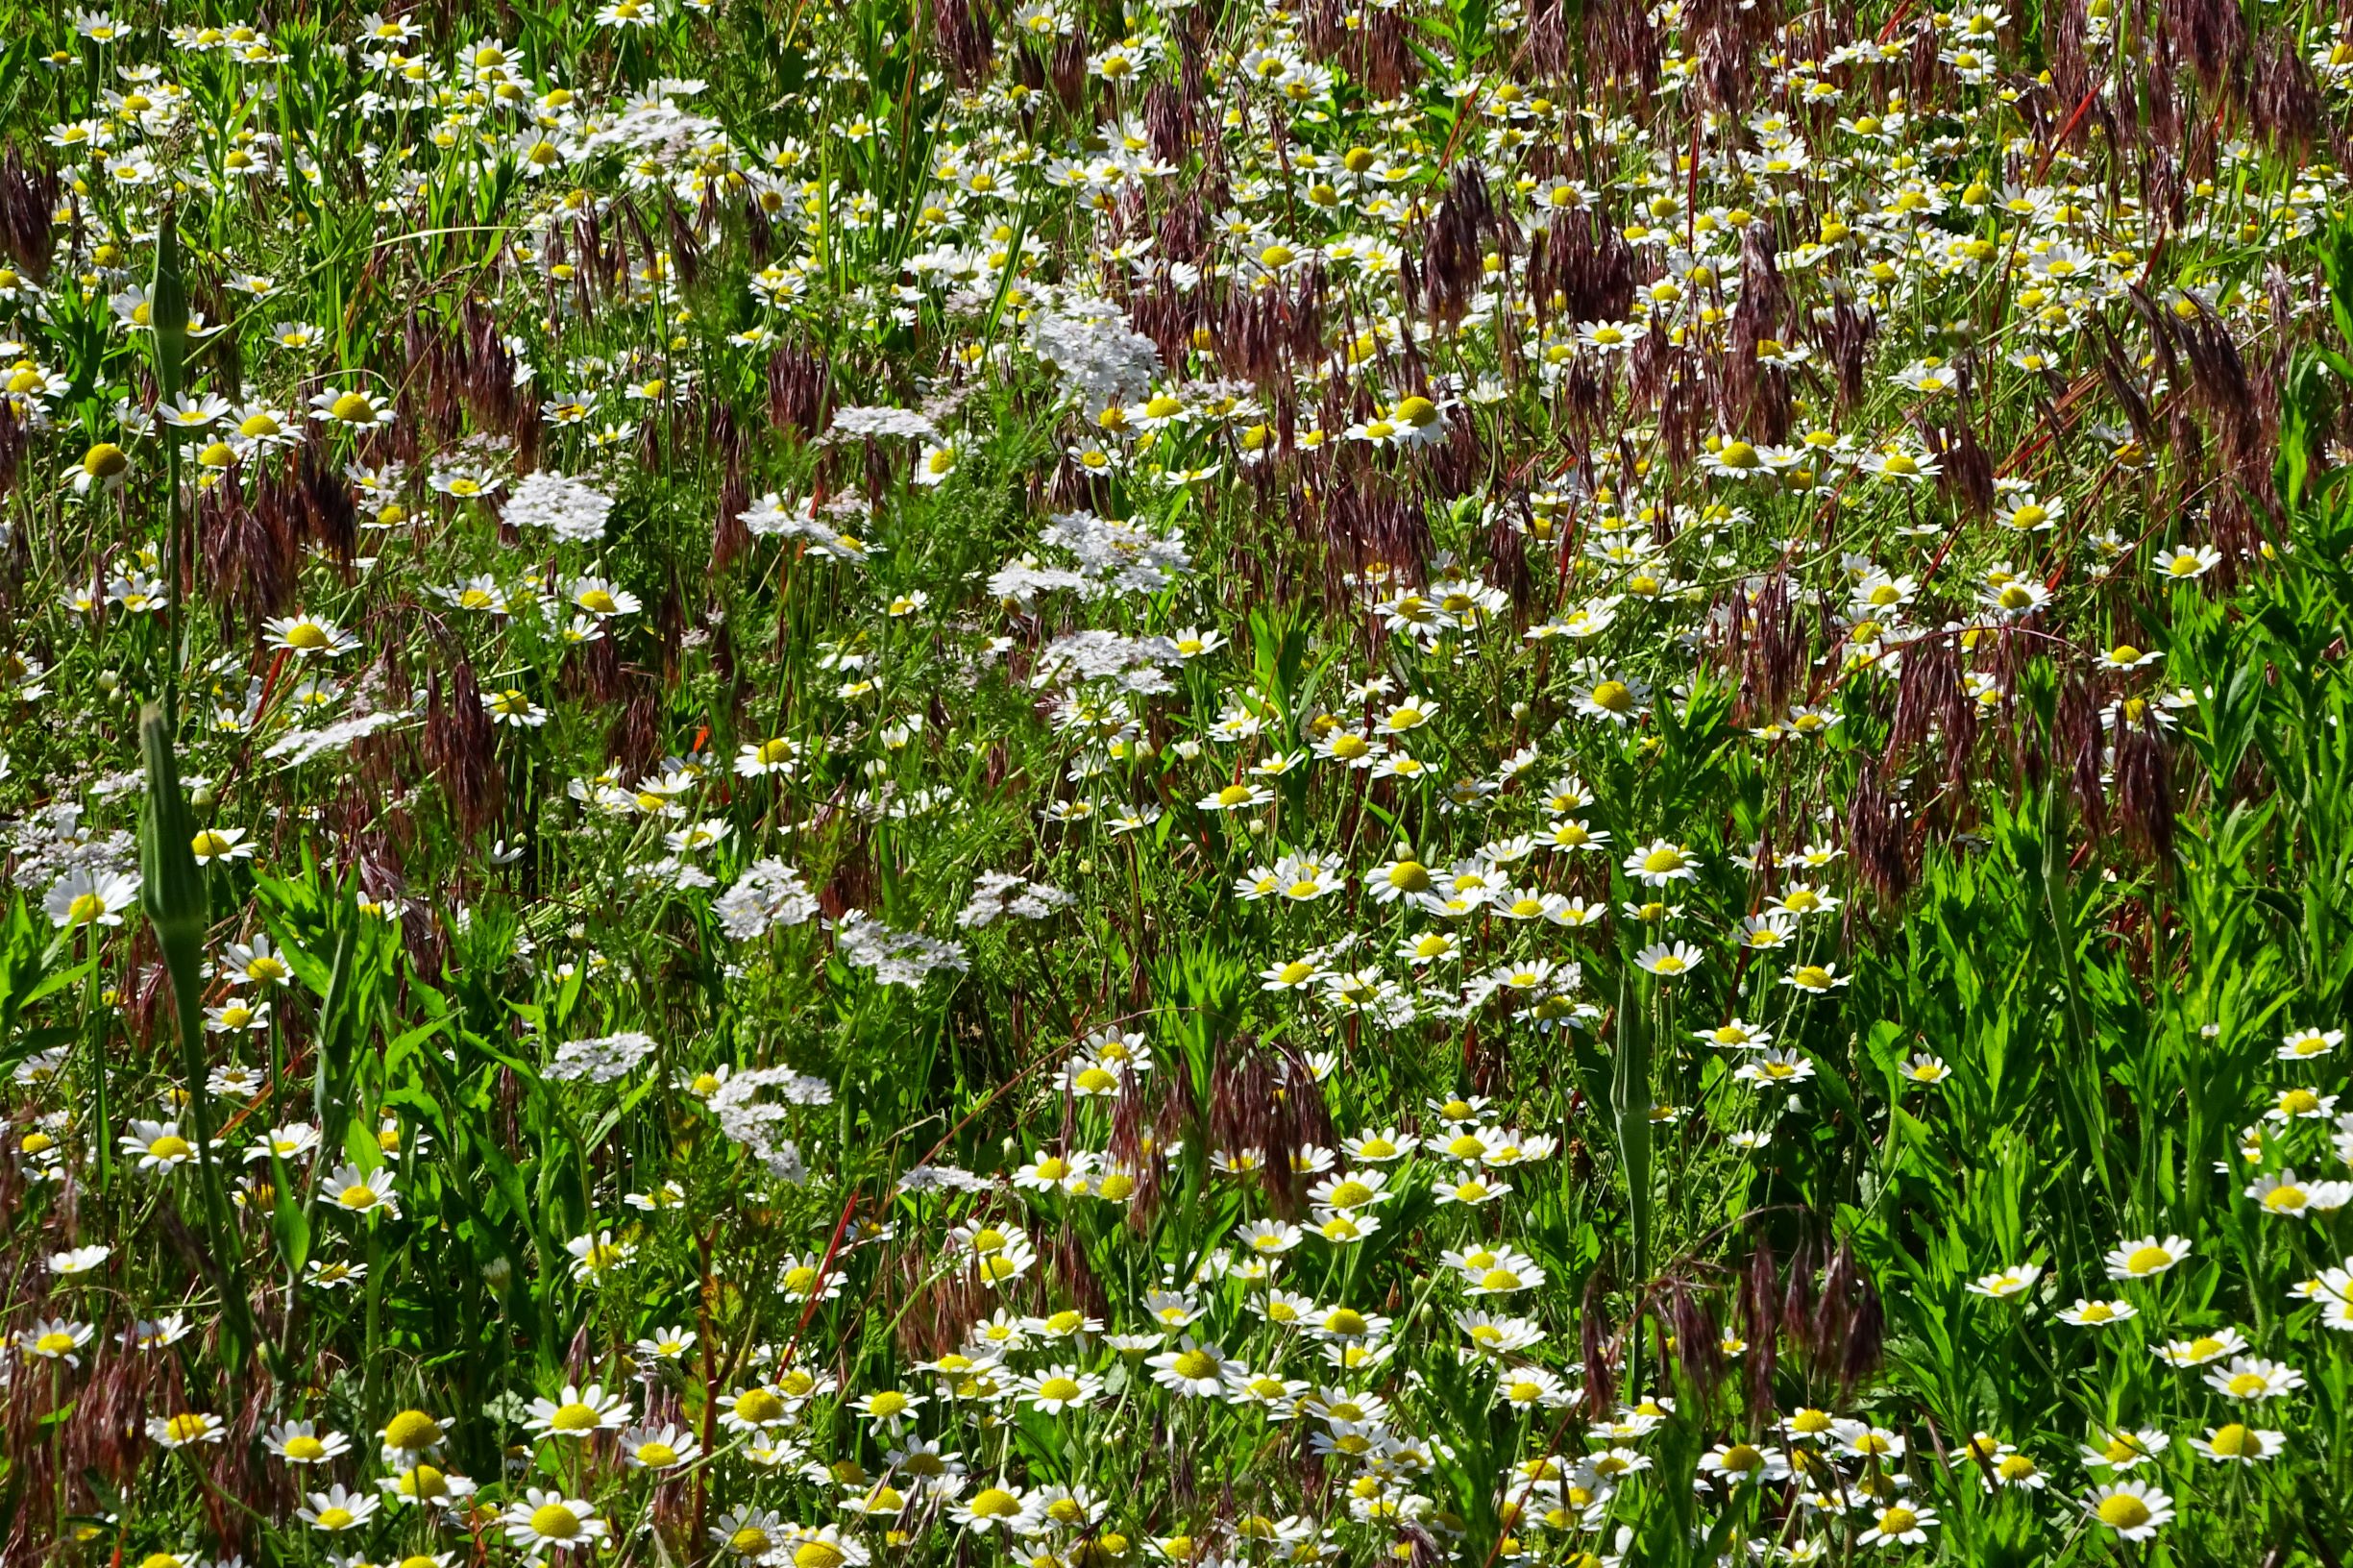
[
  {"x": 168, "y": 306},
  {"x": 290, "y": 1218}
]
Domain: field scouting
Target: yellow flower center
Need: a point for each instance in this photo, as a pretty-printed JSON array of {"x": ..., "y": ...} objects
[
  {"x": 994, "y": 1503},
  {"x": 2234, "y": 1441},
  {"x": 574, "y": 1417},
  {"x": 1193, "y": 1364},
  {"x": 758, "y": 1406},
  {"x": 554, "y": 1522},
  {"x": 2123, "y": 1510},
  {"x": 412, "y": 1430}
]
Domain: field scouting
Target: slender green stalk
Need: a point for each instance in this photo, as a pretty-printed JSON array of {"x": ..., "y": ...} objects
[{"x": 174, "y": 896}]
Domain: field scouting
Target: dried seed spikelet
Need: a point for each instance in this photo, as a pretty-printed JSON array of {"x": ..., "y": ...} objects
[
  {"x": 797, "y": 387},
  {"x": 1930, "y": 702},
  {"x": 2078, "y": 738},
  {"x": 250, "y": 553},
  {"x": 29, "y": 195},
  {"x": 729, "y": 536},
  {"x": 1860, "y": 1351},
  {"x": 965, "y": 41},
  {"x": 1760, "y": 1309},
  {"x": 1851, "y": 328},
  {"x": 1597, "y": 1349},
  {"x": 1967, "y": 474},
  {"x": 1875, "y": 836},
  {"x": 685, "y": 246},
  {"x": 2144, "y": 787},
  {"x": 635, "y": 740},
  {"x": 331, "y": 518},
  {"x": 2285, "y": 105},
  {"x": 1455, "y": 255},
  {"x": 1699, "y": 1340},
  {"x": 461, "y": 748},
  {"x": 12, "y": 443},
  {"x": 1770, "y": 643},
  {"x": 1068, "y": 70}
]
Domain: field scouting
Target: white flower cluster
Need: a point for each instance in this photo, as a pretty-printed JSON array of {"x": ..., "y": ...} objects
[
  {"x": 896, "y": 957},
  {"x": 773, "y": 517},
  {"x": 1101, "y": 358},
  {"x": 656, "y": 131},
  {"x": 1118, "y": 557},
  {"x": 53, "y": 840},
  {"x": 572, "y": 508},
  {"x": 1002, "y": 895},
  {"x": 758, "y": 1124},
  {"x": 299, "y": 745},
  {"x": 860, "y": 422},
  {"x": 769, "y": 893},
  {"x": 939, "y": 1178},
  {"x": 1135, "y": 663},
  {"x": 1021, "y": 583},
  {"x": 1111, "y": 557},
  {"x": 601, "y": 1059}
]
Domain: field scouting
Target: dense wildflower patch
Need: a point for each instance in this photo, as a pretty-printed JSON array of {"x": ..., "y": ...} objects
[{"x": 1090, "y": 784}]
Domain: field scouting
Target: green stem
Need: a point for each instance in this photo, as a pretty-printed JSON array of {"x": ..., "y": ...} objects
[{"x": 102, "y": 1115}]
